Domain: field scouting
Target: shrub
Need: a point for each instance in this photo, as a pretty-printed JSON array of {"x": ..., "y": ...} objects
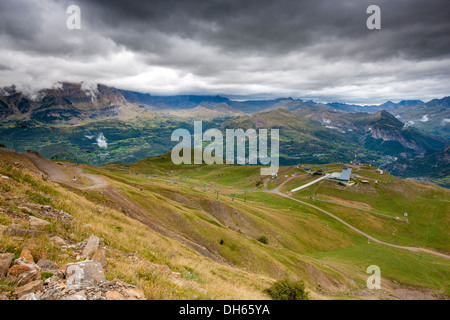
[
  {"x": 287, "y": 290},
  {"x": 263, "y": 239}
]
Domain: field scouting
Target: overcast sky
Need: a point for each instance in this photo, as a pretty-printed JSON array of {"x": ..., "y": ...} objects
[{"x": 319, "y": 50}]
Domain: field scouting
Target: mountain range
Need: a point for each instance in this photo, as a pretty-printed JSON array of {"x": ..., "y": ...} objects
[{"x": 100, "y": 124}]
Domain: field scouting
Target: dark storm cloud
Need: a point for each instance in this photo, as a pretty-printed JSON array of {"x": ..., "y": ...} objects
[
  {"x": 417, "y": 29},
  {"x": 319, "y": 49}
]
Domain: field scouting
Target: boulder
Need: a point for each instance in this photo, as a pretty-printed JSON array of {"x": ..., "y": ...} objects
[
  {"x": 99, "y": 256},
  {"x": 91, "y": 247},
  {"x": 17, "y": 270},
  {"x": 5, "y": 261},
  {"x": 34, "y": 286},
  {"x": 27, "y": 277},
  {"x": 22, "y": 261},
  {"x": 26, "y": 254},
  {"x": 84, "y": 274},
  {"x": 47, "y": 265},
  {"x": 29, "y": 296},
  {"x": 58, "y": 241},
  {"x": 37, "y": 223},
  {"x": 21, "y": 266}
]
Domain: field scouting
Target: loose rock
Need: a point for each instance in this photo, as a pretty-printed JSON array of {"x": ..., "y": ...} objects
[
  {"x": 29, "y": 296},
  {"x": 58, "y": 241},
  {"x": 26, "y": 254},
  {"x": 99, "y": 256},
  {"x": 37, "y": 223},
  {"x": 47, "y": 265},
  {"x": 84, "y": 274},
  {"x": 34, "y": 286},
  {"x": 91, "y": 247},
  {"x": 15, "y": 271},
  {"x": 5, "y": 261},
  {"x": 28, "y": 277}
]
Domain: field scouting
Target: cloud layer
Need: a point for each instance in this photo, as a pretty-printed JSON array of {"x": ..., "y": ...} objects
[{"x": 253, "y": 48}]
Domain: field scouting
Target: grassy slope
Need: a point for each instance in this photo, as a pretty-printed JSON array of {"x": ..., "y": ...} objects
[
  {"x": 296, "y": 229},
  {"x": 122, "y": 235},
  {"x": 303, "y": 242}
]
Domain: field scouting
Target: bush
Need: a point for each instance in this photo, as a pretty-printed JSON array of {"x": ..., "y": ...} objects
[
  {"x": 263, "y": 239},
  {"x": 287, "y": 290}
]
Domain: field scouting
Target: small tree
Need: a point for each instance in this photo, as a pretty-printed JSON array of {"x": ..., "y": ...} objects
[
  {"x": 287, "y": 290},
  {"x": 263, "y": 239}
]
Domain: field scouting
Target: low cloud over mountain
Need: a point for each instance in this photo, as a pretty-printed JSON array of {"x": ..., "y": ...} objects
[{"x": 235, "y": 48}]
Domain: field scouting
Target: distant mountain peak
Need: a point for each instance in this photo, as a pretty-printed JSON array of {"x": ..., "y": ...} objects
[{"x": 410, "y": 102}]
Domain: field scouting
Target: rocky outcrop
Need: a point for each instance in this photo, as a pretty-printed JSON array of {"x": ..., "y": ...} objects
[
  {"x": 27, "y": 278},
  {"x": 104, "y": 290},
  {"x": 84, "y": 280},
  {"x": 84, "y": 274},
  {"x": 37, "y": 223},
  {"x": 24, "y": 270},
  {"x": 32, "y": 287},
  {"x": 91, "y": 247}
]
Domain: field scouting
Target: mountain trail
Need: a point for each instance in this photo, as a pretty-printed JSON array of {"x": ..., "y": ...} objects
[{"x": 413, "y": 249}]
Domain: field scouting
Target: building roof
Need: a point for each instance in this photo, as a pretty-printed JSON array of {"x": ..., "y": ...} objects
[
  {"x": 346, "y": 174},
  {"x": 335, "y": 175}
]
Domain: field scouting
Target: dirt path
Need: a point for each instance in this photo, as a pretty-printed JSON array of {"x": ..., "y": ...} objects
[
  {"x": 413, "y": 249},
  {"x": 65, "y": 172},
  {"x": 97, "y": 182}
]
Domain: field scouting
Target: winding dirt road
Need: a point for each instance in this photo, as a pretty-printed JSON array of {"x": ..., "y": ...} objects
[
  {"x": 413, "y": 249},
  {"x": 64, "y": 173}
]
